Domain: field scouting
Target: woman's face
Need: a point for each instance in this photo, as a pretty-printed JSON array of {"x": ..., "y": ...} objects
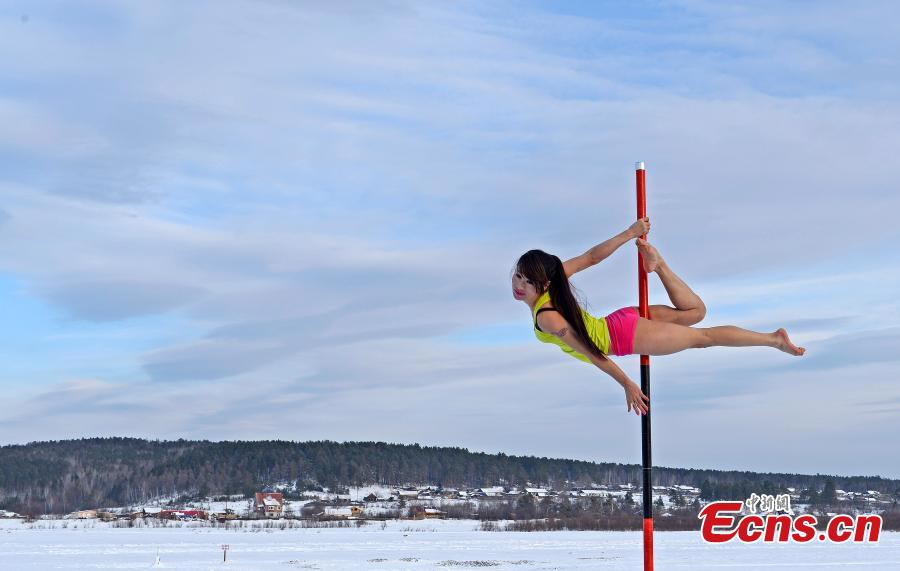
[{"x": 524, "y": 289}]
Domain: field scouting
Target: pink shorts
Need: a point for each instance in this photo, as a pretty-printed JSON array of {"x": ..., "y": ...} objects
[{"x": 621, "y": 324}]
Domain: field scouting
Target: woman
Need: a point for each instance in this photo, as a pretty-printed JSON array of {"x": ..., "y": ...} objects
[{"x": 541, "y": 280}]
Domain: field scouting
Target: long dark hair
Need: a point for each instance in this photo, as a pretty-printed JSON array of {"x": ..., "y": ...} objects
[{"x": 541, "y": 268}]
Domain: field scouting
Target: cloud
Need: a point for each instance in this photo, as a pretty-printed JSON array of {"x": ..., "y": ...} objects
[
  {"x": 60, "y": 405},
  {"x": 250, "y": 346},
  {"x": 853, "y": 349},
  {"x": 209, "y": 360},
  {"x": 814, "y": 323},
  {"x": 111, "y": 300}
]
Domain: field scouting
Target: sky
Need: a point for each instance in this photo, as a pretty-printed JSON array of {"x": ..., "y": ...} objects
[{"x": 298, "y": 220}]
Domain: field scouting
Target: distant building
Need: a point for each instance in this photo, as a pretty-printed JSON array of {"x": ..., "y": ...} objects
[
  {"x": 224, "y": 515},
  {"x": 537, "y": 492},
  {"x": 492, "y": 492},
  {"x": 342, "y": 512},
  {"x": 84, "y": 514},
  {"x": 269, "y": 504},
  {"x": 690, "y": 489},
  {"x": 421, "y": 512},
  {"x": 408, "y": 494},
  {"x": 183, "y": 514}
]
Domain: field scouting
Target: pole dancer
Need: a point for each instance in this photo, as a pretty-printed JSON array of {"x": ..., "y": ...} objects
[{"x": 541, "y": 281}]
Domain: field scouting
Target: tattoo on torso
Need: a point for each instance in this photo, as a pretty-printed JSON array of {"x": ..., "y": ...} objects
[{"x": 561, "y": 333}]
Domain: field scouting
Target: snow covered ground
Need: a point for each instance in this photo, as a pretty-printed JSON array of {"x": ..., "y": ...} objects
[{"x": 406, "y": 546}]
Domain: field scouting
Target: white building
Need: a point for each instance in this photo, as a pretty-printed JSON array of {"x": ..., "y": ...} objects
[{"x": 269, "y": 504}]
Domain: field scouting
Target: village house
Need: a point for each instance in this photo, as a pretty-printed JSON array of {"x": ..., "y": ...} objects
[
  {"x": 408, "y": 494},
  {"x": 183, "y": 515},
  {"x": 84, "y": 514},
  {"x": 421, "y": 512},
  {"x": 537, "y": 492},
  {"x": 345, "y": 512},
  {"x": 224, "y": 515},
  {"x": 492, "y": 492},
  {"x": 268, "y": 504}
]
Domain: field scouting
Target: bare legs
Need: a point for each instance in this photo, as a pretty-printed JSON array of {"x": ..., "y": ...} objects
[
  {"x": 661, "y": 338},
  {"x": 667, "y": 331}
]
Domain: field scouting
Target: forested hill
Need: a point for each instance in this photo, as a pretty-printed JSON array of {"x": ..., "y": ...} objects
[{"x": 60, "y": 476}]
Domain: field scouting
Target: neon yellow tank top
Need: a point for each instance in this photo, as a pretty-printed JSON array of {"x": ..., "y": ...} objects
[{"x": 596, "y": 327}]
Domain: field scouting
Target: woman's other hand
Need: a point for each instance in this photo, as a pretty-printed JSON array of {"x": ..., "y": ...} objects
[{"x": 634, "y": 398}]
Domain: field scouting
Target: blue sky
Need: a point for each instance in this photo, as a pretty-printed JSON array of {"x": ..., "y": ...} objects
[{"x": 283, "y": 220}]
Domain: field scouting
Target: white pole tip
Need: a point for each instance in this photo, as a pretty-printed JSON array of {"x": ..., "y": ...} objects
[{"x": 639, "y": 166}]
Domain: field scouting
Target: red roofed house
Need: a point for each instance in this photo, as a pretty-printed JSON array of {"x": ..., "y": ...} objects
[{"x": 269, "y": 504}]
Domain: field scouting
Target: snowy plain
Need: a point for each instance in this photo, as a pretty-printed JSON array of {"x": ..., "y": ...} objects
[{"x": 408, "y": 546}]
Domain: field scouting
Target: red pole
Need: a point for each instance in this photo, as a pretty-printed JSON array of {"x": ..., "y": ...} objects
[{"x": 641, "y": 178}]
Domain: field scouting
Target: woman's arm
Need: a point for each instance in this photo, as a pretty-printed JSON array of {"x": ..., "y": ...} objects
[
  {"x": 555, "y": 324},
  {"x": 611, "y": 369},
  {"x": 603, "y": 250},
  {"x": 634, "y": 396}
]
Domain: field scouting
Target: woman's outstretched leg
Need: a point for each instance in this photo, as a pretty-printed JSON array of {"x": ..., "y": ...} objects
[
  {"x": 662, "y": 338},
  {"x": 689, "y": 308}
]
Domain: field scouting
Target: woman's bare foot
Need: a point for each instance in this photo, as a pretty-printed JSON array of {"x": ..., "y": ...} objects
[
  {"x": 650, "y": 255},
  {"x": 783, "y": 342}
]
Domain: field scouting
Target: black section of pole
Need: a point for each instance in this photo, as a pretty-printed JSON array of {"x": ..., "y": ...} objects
[{"x": 646, "y": 461}]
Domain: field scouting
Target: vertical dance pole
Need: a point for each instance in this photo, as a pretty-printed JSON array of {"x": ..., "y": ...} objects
[{"x": 641, "y": 176}]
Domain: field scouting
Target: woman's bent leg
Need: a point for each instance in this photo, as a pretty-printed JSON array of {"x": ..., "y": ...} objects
[
  {"x": 689, "y": 308},
  {"x": 661, "y": 338}
]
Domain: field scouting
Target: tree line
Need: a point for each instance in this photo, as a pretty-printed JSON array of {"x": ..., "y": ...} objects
[{"x": 62, "y": 476}]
